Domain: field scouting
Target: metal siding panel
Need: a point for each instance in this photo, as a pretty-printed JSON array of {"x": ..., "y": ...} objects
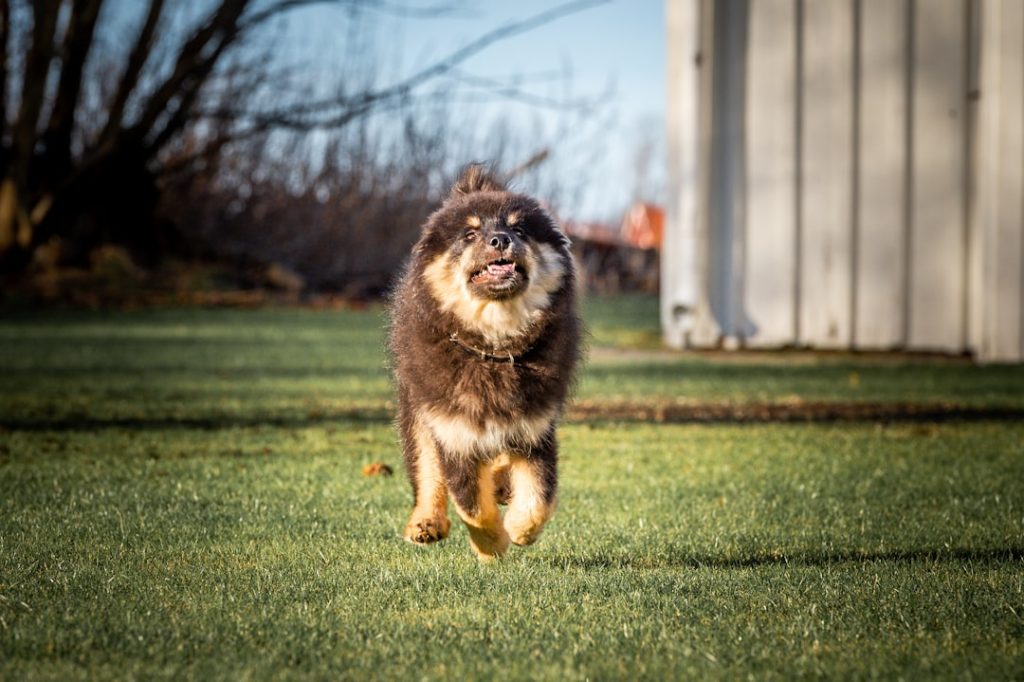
[
  {"x": 769, "y": 286},
  {"x": 679, "y": 293},
  {"x": 705, "y": 330},
  {"x": 1011, "y": 224},
  {"x": 977, "y": 81},
  {"x": 1004, "y": 340},
  {"x": 722, "y": 174},
  {"x": 937, "y": 277},
  {"x": 826, "y": 201},
  {"x": 1016, "y": 27},
  {"x": 987, "y": 174},
  {"x": 882, "y": 149}
]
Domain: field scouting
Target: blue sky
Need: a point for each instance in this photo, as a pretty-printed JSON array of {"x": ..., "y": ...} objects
[{"x": 615, "y": 48}]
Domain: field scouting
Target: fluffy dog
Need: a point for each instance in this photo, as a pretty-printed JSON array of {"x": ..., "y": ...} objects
[{"x": 484, "y": 341}]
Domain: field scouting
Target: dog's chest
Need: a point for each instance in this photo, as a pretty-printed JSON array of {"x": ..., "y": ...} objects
[
  {"x": 462, "y": 436},
  {"x": 492, "y": 407}
]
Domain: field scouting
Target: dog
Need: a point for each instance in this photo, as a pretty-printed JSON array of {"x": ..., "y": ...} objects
[{"x": 484, "y": 341}]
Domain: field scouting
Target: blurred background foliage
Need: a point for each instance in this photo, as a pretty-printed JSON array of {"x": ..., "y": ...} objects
[{"x": 176, "y": 149}]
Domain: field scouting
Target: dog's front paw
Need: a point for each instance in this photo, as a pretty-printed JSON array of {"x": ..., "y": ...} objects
[
  {"x": 489, "y": 543},
  {"x": 423, "y": 531},
  {"x": 524, "y": 525},
  {"x": 523, "y": 533}
]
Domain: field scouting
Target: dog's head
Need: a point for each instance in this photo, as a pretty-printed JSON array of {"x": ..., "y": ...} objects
[{"x": 492, "y": 257}]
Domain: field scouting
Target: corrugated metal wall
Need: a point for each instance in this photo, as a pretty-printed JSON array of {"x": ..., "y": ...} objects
[{"x": 846, "y": 174}]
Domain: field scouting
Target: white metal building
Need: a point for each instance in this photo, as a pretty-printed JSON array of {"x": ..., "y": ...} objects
[{"x": 846, "y": 174}]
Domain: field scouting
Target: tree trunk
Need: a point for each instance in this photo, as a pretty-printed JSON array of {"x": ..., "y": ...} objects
[
  {"x": 78, "y": 40},
  {"x": 5, "y": 32},
  {"x": 15, "y": 199}
]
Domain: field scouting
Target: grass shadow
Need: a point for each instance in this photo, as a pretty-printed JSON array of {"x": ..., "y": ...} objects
[
  {"x": 594, "y": 414},
  {"x": 211, "y": 423},
  {"x": 998, "y": 555}
]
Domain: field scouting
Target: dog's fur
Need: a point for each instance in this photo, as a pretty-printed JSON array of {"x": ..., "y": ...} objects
[{"x": 484, "y": 341}]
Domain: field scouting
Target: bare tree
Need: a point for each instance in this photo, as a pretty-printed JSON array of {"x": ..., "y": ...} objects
[
  {"x": 344, "y": 211},
  {"x": 85, "y": 182}
]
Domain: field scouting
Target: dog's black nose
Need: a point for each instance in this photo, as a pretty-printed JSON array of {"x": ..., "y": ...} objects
[{"x": 500, "y": 241}]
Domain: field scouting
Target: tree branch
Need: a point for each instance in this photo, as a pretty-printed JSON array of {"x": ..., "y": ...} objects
[
  {"x": 78, "y": 39},
  {"x": 258, "y": 18},
  {"x": 336, "y": 111},
  {"x": 33, "y": 86},
  {"x": 514, "y": 92},
  {"x": 195, "y": 60},
  {"x": 486, "y": 40},
  {"x": 130, "y": 78},
  {"x": 190, "y": 90}
]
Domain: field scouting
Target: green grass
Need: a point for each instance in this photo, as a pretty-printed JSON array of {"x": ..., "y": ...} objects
[
  {"x": 181, "y": 497},
  {"x": 294, "y": 366}
]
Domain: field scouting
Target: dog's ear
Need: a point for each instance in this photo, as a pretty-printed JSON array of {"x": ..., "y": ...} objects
[{"x": 477, "y": 177}]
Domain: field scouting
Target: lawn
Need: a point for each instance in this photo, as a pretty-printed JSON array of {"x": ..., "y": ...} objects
[{"x": 181, "y": 496}]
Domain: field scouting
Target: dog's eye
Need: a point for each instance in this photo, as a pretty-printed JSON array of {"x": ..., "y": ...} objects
[
  {"x": 518, "y": 232},
  {"x": 470, "y": 235}
]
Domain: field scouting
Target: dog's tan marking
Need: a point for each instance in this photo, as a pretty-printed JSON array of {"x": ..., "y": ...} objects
[
  {"x": 527, "y": 510},
  {"x": 487, "y": 535},
  {"x": 461, "y": 437},
  {"x": 429, "y": 521},
  {"x": 474, "y": 221},
  {"x": 549, "y": 272},
  {"x": 468, "y": 401},
  {"x": 512, "y": 218},
  {"x": 499, "y": 470},
  {"x": 496, "y": 321}
]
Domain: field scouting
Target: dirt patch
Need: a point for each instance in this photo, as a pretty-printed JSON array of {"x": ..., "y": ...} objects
[
  {"x": 795, "y": 411},
  {"x": 778, "y": 356},
  {"x": 792, "y": 411}
]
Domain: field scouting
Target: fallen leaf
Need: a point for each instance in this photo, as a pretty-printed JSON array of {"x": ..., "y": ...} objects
[{"x": 377, "y": 469}]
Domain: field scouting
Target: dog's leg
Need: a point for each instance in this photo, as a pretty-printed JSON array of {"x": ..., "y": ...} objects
[
  {"x": 429, "y": 522},
  {"x": 534, "y": 483},
  {"x": 472, "y": 487},
  {"x": 502, "y": 486}
]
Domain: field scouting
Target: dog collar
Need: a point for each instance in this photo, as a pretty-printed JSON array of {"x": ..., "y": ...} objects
[{"x": 484, "y": 355}]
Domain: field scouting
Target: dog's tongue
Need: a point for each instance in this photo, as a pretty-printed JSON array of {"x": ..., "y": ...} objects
[{"x": 501, "y": 269}]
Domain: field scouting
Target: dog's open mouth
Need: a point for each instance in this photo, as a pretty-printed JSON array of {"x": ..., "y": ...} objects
[{"x": 496, "y": 272}]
